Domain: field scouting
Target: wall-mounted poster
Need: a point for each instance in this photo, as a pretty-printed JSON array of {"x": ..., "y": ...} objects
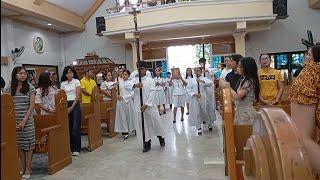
[{"x": 38, "y": 44}]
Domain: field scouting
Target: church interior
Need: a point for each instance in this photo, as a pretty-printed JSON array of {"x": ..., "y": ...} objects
[{"x": 160, "y": 89}]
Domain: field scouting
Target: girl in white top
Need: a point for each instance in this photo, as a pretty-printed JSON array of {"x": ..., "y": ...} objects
[
  {"x": 178, "y": 95},
  {"x": 160, "y": 83},
  {"x": 71, "y": 85},
  {"x": 189, "y": 76},
  {"x": 125, "y": 111},
  {"x": 45, "y": 95},
  {"x": 107, "y": 86}
]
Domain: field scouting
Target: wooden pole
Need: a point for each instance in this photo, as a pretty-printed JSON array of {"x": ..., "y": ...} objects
[{"x": 137, "y": 41}]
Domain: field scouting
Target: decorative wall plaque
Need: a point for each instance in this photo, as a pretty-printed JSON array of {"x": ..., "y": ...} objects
[{"x": 38, "y": 44}]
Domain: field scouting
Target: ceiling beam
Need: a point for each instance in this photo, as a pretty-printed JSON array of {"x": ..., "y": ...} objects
[
  {"x": 92, "y": 9},
  {"x": 47, "y": 12},
  {"x": 38, "y": 2}
]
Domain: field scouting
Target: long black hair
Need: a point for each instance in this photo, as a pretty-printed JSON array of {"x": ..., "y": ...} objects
[
  {"x": 65, "y": 72},
  {"x": 250, "y": 73},
  {"x": 14, "y": 82},
  {"x": 187, "y": 73},
  {"x": 44, "y": 83},
  {"x": 316, "y": 53}
]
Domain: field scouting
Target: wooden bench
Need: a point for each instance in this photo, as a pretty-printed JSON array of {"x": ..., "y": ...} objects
[
  {"x": 91, "y": 121},
  {"x": 9, "y": 147},
  {"x": 52, "y": 135},
  {"x": 234, "y": 137},
  {"x": 108, "y": 113},
  {"x": 275, "y": 151}
]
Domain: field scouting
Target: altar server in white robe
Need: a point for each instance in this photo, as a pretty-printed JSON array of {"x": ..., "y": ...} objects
[
  {"x": 189, "y": 76},
  {"x": 152, "y": 120},
  {"x": 125, "y": 112},
  {"x": 178, "y": 85},
  {"x": 198, "y": 101},
  {"x": 211, "y": 105},
  {"x": 160, "y": 83},
  {"x": 168, "y": 90}
]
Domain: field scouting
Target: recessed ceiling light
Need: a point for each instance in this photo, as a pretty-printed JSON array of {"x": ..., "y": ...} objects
[{"x": 49, "y": 24}]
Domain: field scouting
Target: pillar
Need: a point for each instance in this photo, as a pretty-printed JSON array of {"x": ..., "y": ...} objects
[{"x": 240, "y": 42}]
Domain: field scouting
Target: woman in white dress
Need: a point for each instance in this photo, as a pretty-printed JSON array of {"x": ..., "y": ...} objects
[
  {"x": 125, "y": 112},
  {"x": 178, "y": 95},
  {"x": 160, "y": 83},
  {"x": 189, "y": 76},
  {"x": 107, "y": 86}
]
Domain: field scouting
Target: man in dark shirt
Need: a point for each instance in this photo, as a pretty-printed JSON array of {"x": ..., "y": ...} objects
[{"x": 233, "y": 77}]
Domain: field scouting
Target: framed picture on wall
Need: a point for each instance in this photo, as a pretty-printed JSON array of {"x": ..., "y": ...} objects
[
  {"x": 31, "y": 74},
  {"x": 34, "y": 70}
]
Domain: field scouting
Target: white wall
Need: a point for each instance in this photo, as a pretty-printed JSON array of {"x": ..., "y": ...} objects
[
  {"x": 285, "y": 35},
  {"x": 15, "y": 35},
  {"x": 77, "y": 45}
]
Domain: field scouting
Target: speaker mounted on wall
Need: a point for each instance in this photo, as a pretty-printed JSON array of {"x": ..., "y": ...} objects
[
  {"x": 280, "y": 7},
  {"x": 101, "y": 25}
]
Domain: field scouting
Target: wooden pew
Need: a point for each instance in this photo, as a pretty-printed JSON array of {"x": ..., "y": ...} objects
[
  {"x": 91, "y": 121},
  {"x": 108, "y": 113},
  {"x": 52, "y": 135},
  {"x": 9, "y": 148},
  {"x": 235, "y": 137},
  {"x": 275, "y": 151}
]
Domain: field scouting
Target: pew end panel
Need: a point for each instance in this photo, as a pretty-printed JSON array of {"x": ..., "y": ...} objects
[
  {"x": 91, "y": 120},
  {"x": 52, "y": 135},
  {"x": 9, "y": 147},
  {"x": 276, "y": 148}
]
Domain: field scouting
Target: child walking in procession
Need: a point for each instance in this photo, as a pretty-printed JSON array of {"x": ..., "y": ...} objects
[
  {"x": 189, "y": 76},
  {"x": 168, "y": 90},
  {"x": 178, "y": 85},
  {"x": 196, "y": 88},
  {"x": 152, "y": 120},
  {"x": 125, "y": 119},
  {"x": 160, "y": 83}
]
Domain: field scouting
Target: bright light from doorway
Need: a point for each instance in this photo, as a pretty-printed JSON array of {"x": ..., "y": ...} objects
[{"x": 181, "y": 57}]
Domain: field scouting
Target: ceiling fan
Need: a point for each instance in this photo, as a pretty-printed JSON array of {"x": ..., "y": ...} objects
[{"x": 16, "y": 52}]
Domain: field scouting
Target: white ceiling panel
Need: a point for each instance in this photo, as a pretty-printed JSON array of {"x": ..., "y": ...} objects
[
  {"x": 79, "y": 7},
  {"x": 44, "y": 24}
]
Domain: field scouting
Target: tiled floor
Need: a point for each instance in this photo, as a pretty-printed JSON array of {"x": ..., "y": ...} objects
[{"x": 185, "y": 156}]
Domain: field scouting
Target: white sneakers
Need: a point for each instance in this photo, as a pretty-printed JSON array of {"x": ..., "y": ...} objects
[{"x": 75, "y": 153}]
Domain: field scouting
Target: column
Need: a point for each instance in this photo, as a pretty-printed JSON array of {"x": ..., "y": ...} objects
[
  {"x": 240, "y": 42},
  {"x": 134, "y": 54}
]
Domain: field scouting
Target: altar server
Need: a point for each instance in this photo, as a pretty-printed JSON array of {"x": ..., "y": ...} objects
[
  {"x": 125, "y": 111},
  {"x": 160, "y": 83},
  {"x": 197, "y": 89},
  {"x": 152, "y": 120}
]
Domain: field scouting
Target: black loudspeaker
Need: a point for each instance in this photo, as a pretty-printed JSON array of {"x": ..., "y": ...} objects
[
  {"x": 280, "y": 8},
  {"x": 101, "y": 24}
]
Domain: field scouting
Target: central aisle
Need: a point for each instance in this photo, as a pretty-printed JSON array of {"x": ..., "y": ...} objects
[{"x": 185, "y": 156}]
